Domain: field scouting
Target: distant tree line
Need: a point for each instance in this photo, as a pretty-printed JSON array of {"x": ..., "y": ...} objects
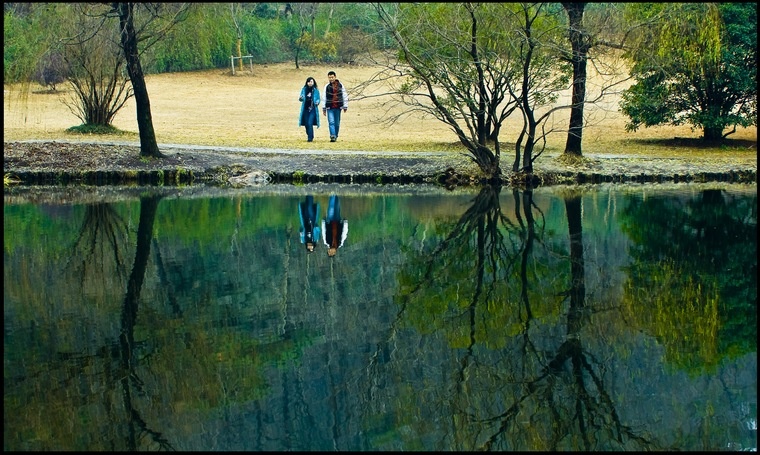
[{"x": 207, "y": 36}]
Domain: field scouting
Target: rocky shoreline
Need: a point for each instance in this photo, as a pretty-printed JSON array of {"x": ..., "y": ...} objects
[{"x": 56, "y": 162}]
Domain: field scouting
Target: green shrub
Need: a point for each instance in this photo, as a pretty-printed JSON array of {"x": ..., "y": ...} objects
[{"x": 87, "y": 128}]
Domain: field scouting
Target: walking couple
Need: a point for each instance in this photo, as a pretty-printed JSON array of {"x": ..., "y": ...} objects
[{"x": 336, "y": 100}]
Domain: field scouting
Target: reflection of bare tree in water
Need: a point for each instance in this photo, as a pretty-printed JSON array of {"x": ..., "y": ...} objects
[
  {"x": 580, "y": 407},
  {"x": 99, "y": 247},
  {"x": 482, "y": 222},
  {"x": 137, "y": 426},
  {"x": 103, "y": 235},
  {"x": 559, "y": 393}
]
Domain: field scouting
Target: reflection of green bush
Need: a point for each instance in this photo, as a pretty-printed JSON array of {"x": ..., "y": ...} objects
[
  {"x": 701, "y": 254},
  {"x": 9, "y": 179},
  {"x": 679, "y": 311}
]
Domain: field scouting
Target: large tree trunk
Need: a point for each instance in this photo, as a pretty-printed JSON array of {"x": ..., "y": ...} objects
[
  {"x": 574, "y": 209},
  {"x": 580, "y": 47},
  {"x": 148, "y": 144},
  {"x": 712, "y": 134}
]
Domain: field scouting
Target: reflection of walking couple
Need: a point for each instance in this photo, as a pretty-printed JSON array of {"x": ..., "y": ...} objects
[{"x": 333, "y": 228}]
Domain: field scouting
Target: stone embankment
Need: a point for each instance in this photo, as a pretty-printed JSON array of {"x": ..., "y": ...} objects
[{"x": 45, "y": 162}]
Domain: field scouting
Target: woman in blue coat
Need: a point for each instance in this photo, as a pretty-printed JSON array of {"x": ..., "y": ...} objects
[{"x": 310, "y": 100}]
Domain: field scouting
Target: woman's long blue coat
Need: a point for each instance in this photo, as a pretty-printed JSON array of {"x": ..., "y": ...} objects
[{"x": 317, "y": 102}]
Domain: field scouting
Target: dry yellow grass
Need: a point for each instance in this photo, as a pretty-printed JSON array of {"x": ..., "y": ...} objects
[{"x": 260, "y": 109}]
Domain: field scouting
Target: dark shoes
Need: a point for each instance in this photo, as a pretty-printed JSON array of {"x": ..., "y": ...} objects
[{"x": 333, "y": 138}]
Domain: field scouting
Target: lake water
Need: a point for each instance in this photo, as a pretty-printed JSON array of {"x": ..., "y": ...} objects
[{"x": 620, "y": 317}]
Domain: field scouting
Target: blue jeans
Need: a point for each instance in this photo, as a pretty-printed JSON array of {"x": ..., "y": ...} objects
[
  {"x": 333, "y": 121},
  {"x": 309, "y": 119}
]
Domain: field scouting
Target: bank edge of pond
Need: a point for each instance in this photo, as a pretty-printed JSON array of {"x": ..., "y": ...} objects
[
  {"x": 241, "y": 176},
  {"x": 67, "y": 163}
]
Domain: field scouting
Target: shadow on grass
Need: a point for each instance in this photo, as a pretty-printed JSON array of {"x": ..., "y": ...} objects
[{"x": 699, "y": 143}]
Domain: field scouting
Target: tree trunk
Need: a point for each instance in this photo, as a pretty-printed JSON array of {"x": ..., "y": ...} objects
[
  {"x": 530, "y": 144},
  {"x": 482, "y": 93},
  {"x": 712, "y": 134},
  {"x": 148, "y": 144},
  {"x": 240, "y": 55},
  {"x": 329, "y": 20},
  {"x": 580, "y": 47}
]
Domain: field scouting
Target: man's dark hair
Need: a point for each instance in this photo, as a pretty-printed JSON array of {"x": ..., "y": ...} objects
[{"x": 331, "y": 73}]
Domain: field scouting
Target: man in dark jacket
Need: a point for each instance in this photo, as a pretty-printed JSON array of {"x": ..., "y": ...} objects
[
  {"x": 336, "y": 100},
  {"x": 334, "y": 228}
]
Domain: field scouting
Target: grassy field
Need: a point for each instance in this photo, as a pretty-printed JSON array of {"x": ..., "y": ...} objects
[{"x": 260, "y": 109}]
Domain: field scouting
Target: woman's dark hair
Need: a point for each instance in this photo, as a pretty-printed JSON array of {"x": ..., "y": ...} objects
[{"x": 306, "y": 84}]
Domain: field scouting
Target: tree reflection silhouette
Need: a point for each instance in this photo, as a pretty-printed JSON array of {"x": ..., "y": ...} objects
[
  {"x": 137, "y": 426},
  {"x": 100, "y": 245},
  {"x": 495, "y": 284},
  {"x": 100, "y": 249}
]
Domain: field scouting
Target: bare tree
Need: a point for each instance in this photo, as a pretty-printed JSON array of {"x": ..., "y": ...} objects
[
  {"x": 100, "y": 86},
  {"x": 472, "y": 66},
  {"x": 580, "y": 44},
  {"x": 52, "y": 69},
  {"x": 543, "y": 78},
  {"x": 601, "y": 32},
  {"x": 235, "y": 9},
  {"x": 305, "y": 14},
  {"x": 154, "y": 22},
  {"x": 449, "y": 69}
]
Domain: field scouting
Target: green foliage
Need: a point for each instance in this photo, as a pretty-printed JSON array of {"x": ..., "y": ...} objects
[
  {"x": 265, "y": 40},
  {"x": 205, "y": 38},
  {"x": 298, "y": 177},
  {"x": 682, "y": 313},
  {"x": 202, "y": 40},
  {"x": 25, "y": 41},
  {"x": 265, "y": 10},
  {"x": 697, "y": 65}
]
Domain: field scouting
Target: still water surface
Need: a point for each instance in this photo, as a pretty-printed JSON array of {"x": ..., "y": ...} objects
[{"x": 594, "y": 318}]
